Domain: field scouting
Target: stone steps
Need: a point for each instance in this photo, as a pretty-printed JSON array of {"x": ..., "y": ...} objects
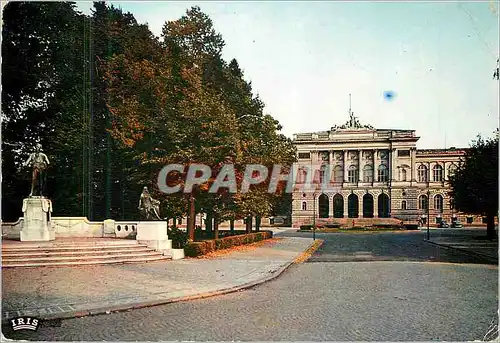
[
  {"x": 70, "y": 249},
  {"x": 82, "y": 253},
  {"x": 74, "y": 253}
]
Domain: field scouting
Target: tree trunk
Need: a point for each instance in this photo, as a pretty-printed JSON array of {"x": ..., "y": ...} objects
[
  {"x": 208, "y": 222},
  {"x": 257, "y": 223},
  {"x": 191, "y": 218},
  {"x": 174, "y": 221},
  {"x": 216, "y": 226},
  {"x": 249, "y": 224},
  {"x": 231, "y": 226},
  {"x": 490, "y": 226}
]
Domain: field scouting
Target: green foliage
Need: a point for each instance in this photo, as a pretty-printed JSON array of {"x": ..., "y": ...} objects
[
  {"x": 474, "y": 185},
  {"x": 179, "y": 238},
  {"x": 141, "y": 104},
  {"x": 194, "y": 249}
]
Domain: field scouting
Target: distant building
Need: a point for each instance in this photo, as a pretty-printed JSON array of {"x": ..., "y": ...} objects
[{"x": 374, "y": 173}]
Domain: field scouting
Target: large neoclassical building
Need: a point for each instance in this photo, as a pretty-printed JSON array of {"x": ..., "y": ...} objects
[{"x": 375, "y": 173}]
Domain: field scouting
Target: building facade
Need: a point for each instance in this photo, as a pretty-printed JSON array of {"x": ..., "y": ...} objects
[{"x": 373, "y": 173}]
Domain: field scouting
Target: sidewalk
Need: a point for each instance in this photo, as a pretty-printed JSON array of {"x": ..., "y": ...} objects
[
  {"x": 469, "y": 241},
  {"x": 64, "y": 292}
]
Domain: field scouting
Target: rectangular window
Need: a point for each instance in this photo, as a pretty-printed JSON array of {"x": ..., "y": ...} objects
[
  {"x": 470, "y": 220},
  {"x": 382, "y": 175},
  {"x": 403, "y": 153},
  {"x": 304, "y": 155},
  {"x": 352, "y": 176}
]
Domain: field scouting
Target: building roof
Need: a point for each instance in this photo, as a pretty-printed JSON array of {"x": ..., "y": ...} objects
[{"x": 449, "y": 151}]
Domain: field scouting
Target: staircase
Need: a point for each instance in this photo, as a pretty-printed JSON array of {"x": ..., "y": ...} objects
[{"x": 73, "y": 252}]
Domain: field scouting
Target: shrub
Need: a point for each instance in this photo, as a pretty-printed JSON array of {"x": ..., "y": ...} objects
[
  {"x": 332, "y": 226},
  {"x": 306, "y": 227},
  {"x": 179, "y": 238},
  {"x": 194, "y": 249}
]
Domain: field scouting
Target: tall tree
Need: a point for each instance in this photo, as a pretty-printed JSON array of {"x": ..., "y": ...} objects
[
  {"x": 42, "y": 67},
  {"x": 475, "y": 183}
]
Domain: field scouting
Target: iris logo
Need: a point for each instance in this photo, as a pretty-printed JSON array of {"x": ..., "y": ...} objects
[{"x": 24, "y": 323}]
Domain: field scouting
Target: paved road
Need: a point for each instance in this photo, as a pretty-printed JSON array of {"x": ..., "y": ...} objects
[
  {"x": 392, "y": 295},
  {"x": 388, "y": 246}
]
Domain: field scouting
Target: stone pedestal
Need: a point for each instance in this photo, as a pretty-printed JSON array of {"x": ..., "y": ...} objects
[
  {"x": 37, "y": 220},
  {"x": 109, "y": 228},
  {"x": 154, "y": 235}
]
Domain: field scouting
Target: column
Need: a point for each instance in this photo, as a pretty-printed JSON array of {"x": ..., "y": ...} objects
[
  {"x": 345, "y": 166},
  {"x": 314, "y": 156},
  {"x": 413, "y": 152},
  {"x": 392, "y": 170},
  {"x": 375, "y": 206},
  {"x": 360, "y": 165},
  {"x": 360, "y": 207},
  {"x": 375, "y": 165},
  {"x": 445, "y": 172},
  {"x": 346, "y": 205},
  {"x": 330, "y": 168}
]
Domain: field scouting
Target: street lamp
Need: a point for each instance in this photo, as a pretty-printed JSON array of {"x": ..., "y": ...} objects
[
  {"x": 314, "y": 216},
  {"x": 428, "y": 214}
]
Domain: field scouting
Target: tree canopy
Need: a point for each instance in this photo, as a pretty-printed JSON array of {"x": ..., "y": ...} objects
[
  {"x": 475, "y": 182},
  {"x": 115, "y": 104}
]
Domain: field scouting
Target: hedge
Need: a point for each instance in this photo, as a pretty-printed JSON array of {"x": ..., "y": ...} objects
[{"x": 194, "y": 249}]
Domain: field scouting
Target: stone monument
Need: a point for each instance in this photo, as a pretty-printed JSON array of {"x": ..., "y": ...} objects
[
  {"x": 149, "y": 207},
  {"x": 37, "y": 208},
  {"x": 152, "y": 231}
]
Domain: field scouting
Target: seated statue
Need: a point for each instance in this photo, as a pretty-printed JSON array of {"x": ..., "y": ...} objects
[{"x": 149, "y": 207}]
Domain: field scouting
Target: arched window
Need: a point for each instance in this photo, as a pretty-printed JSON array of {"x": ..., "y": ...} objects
[
  {"x": 422, "y": 202},
  {"x": 323, "y": 206},
  {"x": 403, "y": 205},
  {"x": 368, "y": 173},
  {"x": 403, "y": 174},
  {"x": 437, "y": 173},
  {"x": 383, "y": 175},
  {"x": 438, "y": 202},
  {"x": 422, "y": 173},
  {"x": 352, "y": 174},
  {"x": 338, "y": 174},
  {"x": 304, "y": 206}
]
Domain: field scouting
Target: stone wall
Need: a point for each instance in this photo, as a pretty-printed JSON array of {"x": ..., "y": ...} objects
[{"x": 63, "y": 226}]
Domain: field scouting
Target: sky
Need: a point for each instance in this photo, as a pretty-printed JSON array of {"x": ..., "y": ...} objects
[{"x": 305, "y": 58}]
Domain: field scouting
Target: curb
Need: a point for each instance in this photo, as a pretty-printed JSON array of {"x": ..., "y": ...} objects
[
  {"x": 121, "y": 308},
  {"x": 483, "y": 256},
  {"x": 308, "y": 253}
]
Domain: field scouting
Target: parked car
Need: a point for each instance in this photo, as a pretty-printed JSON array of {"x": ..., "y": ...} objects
[
  {"x": 457, "y": 223},
  {"x": 443, "y": 224}
]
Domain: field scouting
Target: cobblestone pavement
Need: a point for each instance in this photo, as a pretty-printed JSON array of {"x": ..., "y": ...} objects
[
  {"x": 393, "y": 294},
  {"x": 317, "y": 301},
  {"x": 391, "y": 246},
  {"x": 53, "y": 291}
]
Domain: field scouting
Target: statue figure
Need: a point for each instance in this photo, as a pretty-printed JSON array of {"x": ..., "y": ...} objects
[
  {"x": 149, "y": 207},
  {"x": 40, "y": 162}
]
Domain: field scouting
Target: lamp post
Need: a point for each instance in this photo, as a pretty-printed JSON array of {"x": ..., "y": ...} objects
[
  {"x": 314, "y": 216},
  {"x": 428, "y": 214}
]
